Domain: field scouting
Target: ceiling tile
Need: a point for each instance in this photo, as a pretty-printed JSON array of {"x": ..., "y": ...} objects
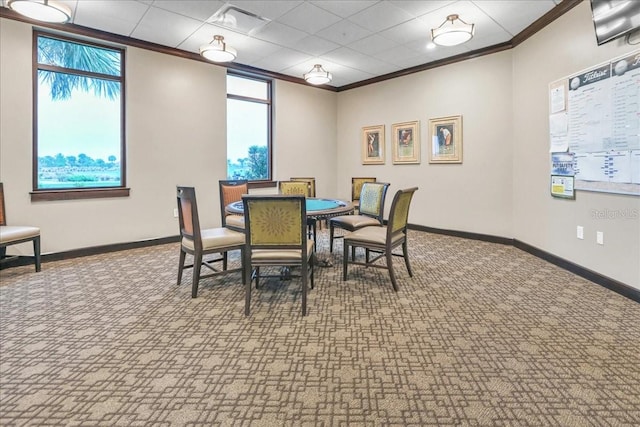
[
  {"x": 381, "y": 16},
  {"x": 315, "y": 45},
  {"x": 101, "y": 15},
  {"x": 515, "y": 16},
  {"x": 164, "y": 27},
  {"x": 200, "y": 10},
  {"x": 268, "y": 9},
  {"x": 372, "y": 44},
  {"x": 409, "y": 31},
  {"x": 344, "y": 8},
  {"x": 281, "y": 34},
  {"x": 344, "y": 32},
  {"x": 308, "y": 18},
  {"x": 417, "y": 8},
  {"x": 282, "y": 59}
]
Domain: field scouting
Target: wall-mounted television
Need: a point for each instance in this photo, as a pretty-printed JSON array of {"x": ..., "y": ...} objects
[{"x": 614, "y": 18}]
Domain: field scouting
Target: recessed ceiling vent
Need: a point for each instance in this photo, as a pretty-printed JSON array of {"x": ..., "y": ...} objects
[{"x": 238, "y": 20}]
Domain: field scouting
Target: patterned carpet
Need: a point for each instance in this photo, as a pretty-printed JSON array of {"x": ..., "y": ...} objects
[{"x": 483, "y": 335}]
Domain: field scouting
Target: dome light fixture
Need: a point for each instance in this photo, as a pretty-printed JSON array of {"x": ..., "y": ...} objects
[
  {"x": 42, "y": 10},
  {"x": 218, "y": 50},
  {"x": 452, "y": 32},
  {"x": 318, "y": 75}
]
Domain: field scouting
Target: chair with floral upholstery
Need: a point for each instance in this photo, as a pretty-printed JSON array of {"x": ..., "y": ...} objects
[
  {"x": 276, "y": 236},
  {"x": 15, "y": 234},
  {"x": 372, "y": 196},
  {"x": 383, "y": 240},
  {"x": 198, "y": 242},
  {"x": 231, "y": 191}
]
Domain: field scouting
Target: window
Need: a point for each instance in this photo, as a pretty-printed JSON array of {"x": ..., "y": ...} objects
[
  {"x": 248, "y": 128},
  {"x": 78, "y": 117}
]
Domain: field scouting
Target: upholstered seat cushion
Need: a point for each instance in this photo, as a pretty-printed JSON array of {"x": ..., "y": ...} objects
[
  {"x": 213, "y": 238},
  {"x": 354, "y": 221},
  {"x": 235, "y": 221},
  {"x": 375, "y": 235},
  {"x": 12, "y": 233},
  {"x": 274, "y": 255}
]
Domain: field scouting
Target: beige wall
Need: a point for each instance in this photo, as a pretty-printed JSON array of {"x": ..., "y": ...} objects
[
  {"x": 474, "y": 196},
  {"x": 566, "y": 46},
  {"x": 176, "y": 135}
]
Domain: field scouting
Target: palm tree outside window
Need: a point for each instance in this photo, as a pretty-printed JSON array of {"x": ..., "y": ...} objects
[{"x": 78, "y": 115}]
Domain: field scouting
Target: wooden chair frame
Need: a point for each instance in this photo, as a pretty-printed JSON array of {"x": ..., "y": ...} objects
[
  {"x": 231, "y": 190},
  {"x": 219, "y": 240},
  {"x": 383, "y": 240},
  {"x": 15, "y": 234},
  {"x": 362, "y": 219},
  {"x": 268, "y": 252}
]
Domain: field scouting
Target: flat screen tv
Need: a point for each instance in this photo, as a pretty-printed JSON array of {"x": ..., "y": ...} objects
[{"x": 614, "y": 18}]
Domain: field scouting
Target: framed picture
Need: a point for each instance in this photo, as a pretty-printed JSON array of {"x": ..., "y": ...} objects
[
  {"x": 446, "y": 140},
  {"x": 373, "y": 145},
  {"x": 406, "y": 142}
]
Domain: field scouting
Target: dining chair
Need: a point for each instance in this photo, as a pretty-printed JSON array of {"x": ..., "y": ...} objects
[
  {"x": 372, "y": 197},
  {"x": 356, "y": 188},
  {"x": 198, "y": 242},
  {"x": 15, "y": 234},
  {"x": 231, "y": 191},
  {"x": 311, "y": 182},
  {"x": 300, "y": 187},
  {"x": 383, "y": 240},
  {"x": 276, "y": 236}
]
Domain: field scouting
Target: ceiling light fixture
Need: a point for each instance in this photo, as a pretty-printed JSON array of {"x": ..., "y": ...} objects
[
  {"x": 452, "y": 32},
  {"x": 41, "y": 10},
  {"x": 218, "y": 50},
  {"x": 318, "y": 75}
]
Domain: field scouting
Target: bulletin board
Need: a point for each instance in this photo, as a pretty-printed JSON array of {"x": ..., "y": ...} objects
[{"x": 594, "y": 117}]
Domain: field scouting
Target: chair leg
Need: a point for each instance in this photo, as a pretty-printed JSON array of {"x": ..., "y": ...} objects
[
  {"x": 345, "y": 260},
  {"x": 197, "y": 265},
  {"x": 312, "y": 265},
  {"x": 183, "y": 256},
  {"x": 392, "y": 273},
  {"x": 330, "y": 237},
  {"x": 315, "y": 235},
  {"x": 36, "y": 252},
  {"x": 405, "y": 252},
  {"x": 304, "y": 289}
]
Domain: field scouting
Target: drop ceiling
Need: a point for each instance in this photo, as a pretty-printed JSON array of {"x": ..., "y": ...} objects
[{"x": 355, "y": 40}]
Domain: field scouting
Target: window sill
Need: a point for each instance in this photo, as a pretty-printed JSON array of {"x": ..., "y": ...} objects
[{"x": 92, "y": 193}]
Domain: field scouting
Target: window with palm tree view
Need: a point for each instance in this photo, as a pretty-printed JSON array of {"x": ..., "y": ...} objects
[
  {"x": 248, "y": 128},
  {"x": 79, "y": 139}
]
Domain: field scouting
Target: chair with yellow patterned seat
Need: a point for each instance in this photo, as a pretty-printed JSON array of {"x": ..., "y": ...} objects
[
  {"x": 199, "y": 242},
  {"x": 276, "y": 237},
  {"x": 231, "y": 191},
  {"x": 383, "y": 240},
  {"x": 372, "y": 197}
]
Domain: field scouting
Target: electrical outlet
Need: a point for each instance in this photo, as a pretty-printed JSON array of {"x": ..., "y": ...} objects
[
  {"x": 580, "y": 232},
  {"x": 600, "y": 237},
  {"x": 175, "y": 212}
]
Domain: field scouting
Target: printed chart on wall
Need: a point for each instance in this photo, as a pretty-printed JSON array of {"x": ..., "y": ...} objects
[{"x": 594, "y": 119}]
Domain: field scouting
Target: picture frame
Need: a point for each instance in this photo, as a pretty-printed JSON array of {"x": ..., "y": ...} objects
[
  {"x": 373, "y": 146},
  {"x": 445, "y": 142},
  {"x": 563, "y": 186},
  {"x": 406, "y": 142}
]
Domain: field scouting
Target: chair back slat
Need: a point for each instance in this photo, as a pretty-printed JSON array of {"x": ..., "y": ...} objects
[
  {"x": 188, "y": 215},
  {"x": 372, "y": 199},
  {"x": 275, "y": 222},
  {"x": 3, "y": 220},
  {"x": 294, "y": 187},
  {"x": 311, "y": 182},
  {"x": 356, "y": 186},
  {"x": 399, "y": 213}
]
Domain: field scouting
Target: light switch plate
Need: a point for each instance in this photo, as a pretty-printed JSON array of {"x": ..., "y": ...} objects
[
  {"x": 580, "y": 232},
  {"x": 600, "y": 237}
]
